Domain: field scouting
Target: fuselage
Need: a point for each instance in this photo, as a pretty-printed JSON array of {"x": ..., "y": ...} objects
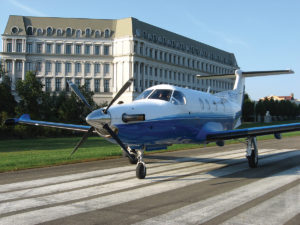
[{"x": 166, "y": 114}]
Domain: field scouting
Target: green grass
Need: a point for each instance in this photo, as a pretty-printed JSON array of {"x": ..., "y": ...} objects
[{"x": 43, "y": 152}]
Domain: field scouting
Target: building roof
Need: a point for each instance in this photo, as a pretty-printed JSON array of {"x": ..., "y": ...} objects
[{"x": 117, "y": 28}]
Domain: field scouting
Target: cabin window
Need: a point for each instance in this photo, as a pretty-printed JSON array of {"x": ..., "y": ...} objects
[
  {"x": 144, "y": 95},
  {"x": 178, "y": 98},
  {"x": 161, "y": 94}
]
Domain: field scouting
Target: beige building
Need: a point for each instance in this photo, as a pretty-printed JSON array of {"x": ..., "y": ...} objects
[{"x": 103, "y": 54}]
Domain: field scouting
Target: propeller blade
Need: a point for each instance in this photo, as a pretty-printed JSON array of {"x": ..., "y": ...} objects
[
  {"x": 78, "y": 93},
  {"x": 114, "y": 136},
  {"x": 121, "y": 91},
  {"x": 85, "y": 136}
]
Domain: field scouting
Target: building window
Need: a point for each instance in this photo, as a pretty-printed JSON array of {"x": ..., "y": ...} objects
[
  {"x": 78, "y": 49},
  {"x": 8, "y": 66},
  {"x": 29, "y": 47},
  {"x": 68, "y": 49},
  {"x": 19, "y": 66},
  {"x": 69, "y": 32},
  {"x": 9, "y": 47},
  {"x": 97, "y": 68},
  {"x": 57, "y": 84},
  {"x": 38, "y": 66},
  {"x": 40, "y": 32},
  {"x": 106, "y": 85},
  {"x": 97, "y": 50},
  {"x": 49, "y": 31},
  {"x": 97, "y": 85},
  {"x": 58, "y": 67},
  {"x": 87, "y": 68},
  {"x": 106, "y": 50},
  {"x": 29, "y": 66},
  {"x": 150, "y": 71},
  {"x": 29, "y": 31},
  {"x": 78, "y": 33},
  {"x": 58, "y": 48},
  {"x": 19, "y": 46},
  {"x": 48, "y": 67},
  {"x": 88, "y": 32},
  {"x": 87, "y": 85},
  {"x": 106, "y": 68},
  {"x": 78, "y": 68},
  {"x": 49, "y": 48},
  {"x": 78, "y": 82},
  {"x": 98, "y": 33},
  {"x": 107, "y": 33},
  {"x": 59, "y": 32},
  {"x": 68, "y": 67},
  {"x": 48, "y": 84},
  {"x": 39, "y": 48},
  {"x": 87, "y": 49}
]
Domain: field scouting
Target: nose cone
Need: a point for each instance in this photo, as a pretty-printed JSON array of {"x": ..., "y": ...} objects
[{"x": 97, "y": 118}]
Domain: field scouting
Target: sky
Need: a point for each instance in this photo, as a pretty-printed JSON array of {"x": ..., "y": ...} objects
[{"x": 263, "y": 34}]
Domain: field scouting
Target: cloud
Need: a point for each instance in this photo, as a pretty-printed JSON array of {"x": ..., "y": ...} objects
[{"x": 27, "y": 9}]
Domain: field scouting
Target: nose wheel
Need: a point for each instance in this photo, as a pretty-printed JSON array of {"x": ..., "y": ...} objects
[{"x": 141, "y": 169}]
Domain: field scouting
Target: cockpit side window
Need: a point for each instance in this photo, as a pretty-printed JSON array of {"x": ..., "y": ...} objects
[
  {"x": 178, "y": 98},
  {"x": 161, "y": 94},
  {"x": 144, "y": 95}
]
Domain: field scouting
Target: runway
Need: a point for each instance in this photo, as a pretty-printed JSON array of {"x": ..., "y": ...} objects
[{"x": 201, "y": 186}]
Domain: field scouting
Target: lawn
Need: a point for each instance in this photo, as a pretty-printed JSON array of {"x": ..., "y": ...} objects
[{"x": 43, "y": 152}]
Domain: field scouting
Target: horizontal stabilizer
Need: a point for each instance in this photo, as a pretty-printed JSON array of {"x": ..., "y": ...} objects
[{"x": 245, "y": 74}]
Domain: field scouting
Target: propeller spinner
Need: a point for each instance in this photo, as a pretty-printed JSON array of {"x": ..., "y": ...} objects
[{"x": 100, "y": 118}]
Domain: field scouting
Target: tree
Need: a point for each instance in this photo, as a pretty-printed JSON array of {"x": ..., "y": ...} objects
[
  {"x": 7, "y": 100},
  {"x": 247, "y": 109},
  {"x": 31, "y": 95}
]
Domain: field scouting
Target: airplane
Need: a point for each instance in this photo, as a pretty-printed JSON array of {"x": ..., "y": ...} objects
[{"x": 164, "y": 114}]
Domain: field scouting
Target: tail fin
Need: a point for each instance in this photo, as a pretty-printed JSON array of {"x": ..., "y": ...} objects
[{"x": 237, "y": 94}]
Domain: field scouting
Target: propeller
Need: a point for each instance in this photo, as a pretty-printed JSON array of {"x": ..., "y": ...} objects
[
  {"x": 105, "y": 126},
  {"x": 85, "y": 136},
  {"x": 79, "y": 95},
  {"x": 120, "y": 92}
]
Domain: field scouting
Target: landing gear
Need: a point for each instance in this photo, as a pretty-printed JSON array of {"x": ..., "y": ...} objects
[
  {"x": 133, "y": 159},
  {"x": 251, "y": 152},
  {"x": 141, "y": 170}
]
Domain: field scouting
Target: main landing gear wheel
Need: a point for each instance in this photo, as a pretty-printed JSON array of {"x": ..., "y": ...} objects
[
  {"x": 141, "y": 170},
  {"x": 252, "y": 153},
  {"x": 141, "y": 166}
]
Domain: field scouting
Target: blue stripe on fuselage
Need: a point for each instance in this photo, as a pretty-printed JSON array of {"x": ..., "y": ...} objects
[{"x": 173, "y": 130}]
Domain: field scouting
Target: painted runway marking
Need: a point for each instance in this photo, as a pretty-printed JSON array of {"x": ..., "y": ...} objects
[
  {"x": 205, "y": 210},
  {"x": 97, "y": 191}
]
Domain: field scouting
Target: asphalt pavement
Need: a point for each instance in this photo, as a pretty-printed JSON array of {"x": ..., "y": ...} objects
[{"x": 210, "y": 185}]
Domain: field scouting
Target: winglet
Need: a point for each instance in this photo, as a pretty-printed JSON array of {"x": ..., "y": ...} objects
[{"x": 25, "y": 117}]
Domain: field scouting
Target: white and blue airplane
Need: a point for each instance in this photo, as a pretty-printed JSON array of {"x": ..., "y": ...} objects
[{"x": 165, "y": 114}]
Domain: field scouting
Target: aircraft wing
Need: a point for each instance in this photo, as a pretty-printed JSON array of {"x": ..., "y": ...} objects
[
  {"x": 252, "y": 132},
  {"x": 25, "y": 119}
]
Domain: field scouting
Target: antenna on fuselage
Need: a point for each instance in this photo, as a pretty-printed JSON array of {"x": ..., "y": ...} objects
[{"x": 208, "y": 90}]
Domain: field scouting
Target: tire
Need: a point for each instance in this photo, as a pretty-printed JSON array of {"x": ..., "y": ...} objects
[
  {"x": 141, "y": 171},
  {"x": 253, "y": 160}
]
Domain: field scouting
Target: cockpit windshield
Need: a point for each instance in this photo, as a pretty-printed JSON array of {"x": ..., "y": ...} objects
[
  {"x": 144, "y": 95},
  {"x": 161, "y": 94},
  {"x": 175, "y": 97}
]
